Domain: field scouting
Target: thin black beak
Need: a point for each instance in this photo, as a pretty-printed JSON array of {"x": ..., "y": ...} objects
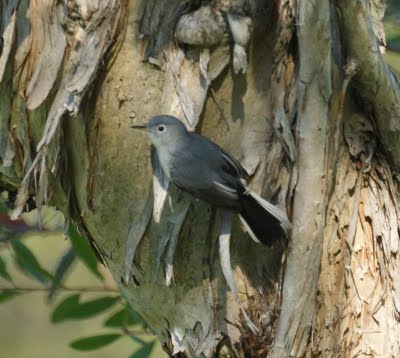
[{"x": 139, "y": 127}]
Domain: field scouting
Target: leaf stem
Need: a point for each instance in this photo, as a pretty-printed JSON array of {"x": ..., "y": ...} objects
[{"x": 30, "y": 289}]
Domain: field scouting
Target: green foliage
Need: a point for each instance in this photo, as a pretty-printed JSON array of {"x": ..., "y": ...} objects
[
  {"x": 83, "y": 250},
  {"x": 122, "y": 318},
  {"x": 62, "y": 268},
  {"x": 74, "y": 306},
  {"x": 392, "y": 29},
  {"x": 28, "y": 263},
  {"x": 71, "y": 309},
  {"x": 3, "y": 271},
  {"x": 94, "y": 342},
  {"x": 393, "y": 59},
  {"x": 144, "y": 352},
  {"x": 391, "y": 23},
  {"x": 7, "y": 295}
]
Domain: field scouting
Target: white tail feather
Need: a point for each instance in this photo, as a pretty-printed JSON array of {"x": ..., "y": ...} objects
[{"x": 231, "y": 192}]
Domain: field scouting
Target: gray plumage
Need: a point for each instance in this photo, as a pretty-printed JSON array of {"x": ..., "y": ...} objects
[{"x": 200, "y": 167}]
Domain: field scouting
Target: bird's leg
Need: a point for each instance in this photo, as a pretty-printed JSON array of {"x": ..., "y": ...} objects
[{"x": 225, "y": 257}]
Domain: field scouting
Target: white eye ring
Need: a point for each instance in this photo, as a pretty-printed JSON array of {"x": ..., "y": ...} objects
[{"x": 161, "y": 128}]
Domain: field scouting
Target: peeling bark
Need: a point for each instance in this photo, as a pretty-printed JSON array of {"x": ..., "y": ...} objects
[
  {"x": 360, "y": 265},
  {"x": 265, "y": 81},
  {"x": 376, "y": 84},
  {"x": 48, "y": 45}
]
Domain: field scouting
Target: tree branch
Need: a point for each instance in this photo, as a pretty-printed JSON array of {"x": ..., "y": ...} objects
[
  {"x": 314, "y": 91},
  {"x": 375, "y": 82}
]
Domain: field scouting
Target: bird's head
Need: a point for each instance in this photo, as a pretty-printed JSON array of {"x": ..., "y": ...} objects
[{"x": 163, "y": 130}]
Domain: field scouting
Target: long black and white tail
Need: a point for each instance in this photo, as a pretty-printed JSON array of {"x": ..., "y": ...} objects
[{"x": 264, "y": 222}]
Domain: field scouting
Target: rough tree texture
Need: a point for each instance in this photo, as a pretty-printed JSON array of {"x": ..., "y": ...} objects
[{"x": 296, "y": 90}]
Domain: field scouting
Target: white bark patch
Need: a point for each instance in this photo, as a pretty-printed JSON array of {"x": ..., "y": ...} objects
[
  {"x": 241, "y": 31},
  {"x": 88, "y": 48},
  {"x": 204, "y": 27},
  {"x": 8, "y": 34},
  {"x": 225, "y": 257},
  {"x": 22, "y": 197},
  {"x": 186, "y": 86},
  {"x": 177, "y": 340},
  {"x": 48, "y": 46}
]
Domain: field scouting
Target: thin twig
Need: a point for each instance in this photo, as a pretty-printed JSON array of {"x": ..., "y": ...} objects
[
  {"x": 134, "y": 334},
  {"x": 73, "y": 289}
]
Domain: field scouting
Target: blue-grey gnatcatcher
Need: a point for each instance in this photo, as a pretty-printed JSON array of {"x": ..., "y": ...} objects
[{"x": 202, "y": 168}]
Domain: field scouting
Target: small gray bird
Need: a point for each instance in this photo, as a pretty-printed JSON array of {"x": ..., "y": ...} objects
[{"x": 202, "y": 168}]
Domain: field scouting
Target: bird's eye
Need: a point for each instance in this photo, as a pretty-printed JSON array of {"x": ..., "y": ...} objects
[{"x": 161, "y": 128}]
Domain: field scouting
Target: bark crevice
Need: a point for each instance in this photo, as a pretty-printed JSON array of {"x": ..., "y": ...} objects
[{"x": 375, "y": 82}]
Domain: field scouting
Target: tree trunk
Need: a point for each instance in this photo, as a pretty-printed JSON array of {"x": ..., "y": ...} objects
[{"x": 296, "y": 90}]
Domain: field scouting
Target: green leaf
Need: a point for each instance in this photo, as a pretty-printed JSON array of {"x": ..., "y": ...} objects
[
  {"x": 71, "y": 309},
  {"x": 94, "y": 342},
  {"x": 121, "y": 318},
  {"x": 28, "y": 263},
  {"x": 135, "y": 316},
  {"x": 83, "y": 250},
  {"x": 3, "y": 271},
  {"x": 65, "y": 308},
  {"x": 7, "y": 295},
  {"x": 145, "y": 351},
  {"x": 62, "y": 268},
  {"x": 96, "y": 306},
  {"x": 3, "y": 200}
]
